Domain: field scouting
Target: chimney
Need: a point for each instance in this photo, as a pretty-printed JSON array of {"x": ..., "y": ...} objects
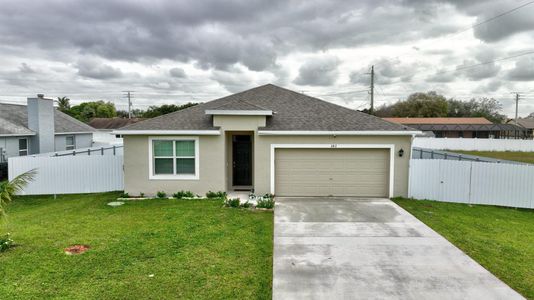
[{"x": 41, "y": 121}]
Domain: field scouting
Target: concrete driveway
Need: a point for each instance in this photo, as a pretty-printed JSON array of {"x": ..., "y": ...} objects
[{"x": 335, "y": 248}]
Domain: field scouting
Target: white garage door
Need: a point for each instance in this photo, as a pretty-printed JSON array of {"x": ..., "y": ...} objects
[{"x": 332, "y": 172}]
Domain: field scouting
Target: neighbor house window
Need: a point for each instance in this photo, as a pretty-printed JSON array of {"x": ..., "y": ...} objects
[
  {"x": 70, "y": 142},
  {"x": 174, "y": 158},
  {"x": 23, "y": 147}
]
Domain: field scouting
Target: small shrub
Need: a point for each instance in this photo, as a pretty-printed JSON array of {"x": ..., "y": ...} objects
[
  {"x": 265, "y": 202},
  {"x": 232, "y": 202},
  {"x": 246, "y": 205},
  {"x": 125, "y": 195},
  {"x": 141, "y": 195},
  {"x": 5, "y": 242},
  {"x": 161, "y": 194},
  {"x": 216, "y": 195},
  {"x": 183, "y": 194}
]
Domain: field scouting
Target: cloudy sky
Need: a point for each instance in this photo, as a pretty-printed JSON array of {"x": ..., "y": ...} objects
[{"x": 172, "y": 51}]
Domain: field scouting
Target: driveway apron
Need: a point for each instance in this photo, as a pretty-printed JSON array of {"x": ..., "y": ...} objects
[{"x": 342, "y": 248}]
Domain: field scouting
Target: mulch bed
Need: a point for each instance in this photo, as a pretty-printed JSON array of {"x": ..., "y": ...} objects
[{"x": 76, "y": 249}]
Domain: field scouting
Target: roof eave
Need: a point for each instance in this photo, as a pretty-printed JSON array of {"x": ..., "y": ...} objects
[
  {"x": 166, "y": 132},
  {"x": 236, "y": 112},
  {"x": 359, "y": 132},
  {"x": 16, "y": 134}
]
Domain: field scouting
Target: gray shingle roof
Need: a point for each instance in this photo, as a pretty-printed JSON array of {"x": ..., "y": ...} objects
[
  {"x": 14, "y": 120},
  {"x": 239, "y": 105},
  {"x": 291, "y": 111}
]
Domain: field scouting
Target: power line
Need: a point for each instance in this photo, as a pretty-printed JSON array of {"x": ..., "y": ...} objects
[
  {"x": 493, "y": 18},
  {"x": 483, "y": 63}
]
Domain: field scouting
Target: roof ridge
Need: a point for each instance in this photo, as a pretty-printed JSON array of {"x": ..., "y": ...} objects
[{"x": 242, "y": 101}]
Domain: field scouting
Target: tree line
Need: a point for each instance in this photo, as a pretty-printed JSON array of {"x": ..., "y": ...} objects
[
  {"x": 431, "y": 105},
  {"x": 86, "y": 111}
]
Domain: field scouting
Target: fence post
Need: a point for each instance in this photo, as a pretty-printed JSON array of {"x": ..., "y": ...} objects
[
  {"x": 102, "y": 150},
  {"x": 445, "y": 155},
  {"x": 470, "y": 181},
  {"x": 421, "y": 153},
  {"x": 73, "y": 153},
  {"x": 113, "y": 149},
  {"x": 460, "y": 157},
  {"x": 89, "y": 152},
  {"x": 432, "y": 154}
]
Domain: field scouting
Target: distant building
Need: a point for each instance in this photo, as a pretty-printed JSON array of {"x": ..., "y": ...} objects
[
  {"x": 462, "y": 127},
  {"x": 527, "y": 123},
  {"x": 105, "y": 126},
  {"x": 39, "y": 128}
]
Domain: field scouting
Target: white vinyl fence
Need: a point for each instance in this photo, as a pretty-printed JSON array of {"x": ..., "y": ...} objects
[
  {"x": 474, "y": 144},
  {"x": 472, "y": 182},
  {"x": 70, "y": 174}
]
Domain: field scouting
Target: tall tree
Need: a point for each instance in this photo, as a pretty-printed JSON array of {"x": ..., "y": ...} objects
[
  {"x": 155, "y": 111},
  {"x": 63, "y": 103},
  {"x": 423, "y": 105},
  {"x": 88, "y": 110}
]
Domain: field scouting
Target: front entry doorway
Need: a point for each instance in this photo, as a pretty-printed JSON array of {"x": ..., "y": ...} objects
[{"x": 242, "y": 160}]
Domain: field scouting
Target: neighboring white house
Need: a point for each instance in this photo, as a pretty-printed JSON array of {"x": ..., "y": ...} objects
[
  {"x": 103, "y": 135},
  {"x": 39, "y": 128}
]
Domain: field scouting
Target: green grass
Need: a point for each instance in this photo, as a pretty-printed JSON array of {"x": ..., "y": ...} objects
[
  {"x": 500, "y": 239},
  {"x": 527, "y": 157},
  {"x": 194, "y": 249}
]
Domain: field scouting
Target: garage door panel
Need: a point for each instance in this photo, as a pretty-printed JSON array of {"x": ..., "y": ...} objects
[{"x": 336, "y": 172}]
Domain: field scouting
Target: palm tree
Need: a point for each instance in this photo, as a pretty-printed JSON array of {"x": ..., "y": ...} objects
[
  {"x": 9, "y": 188},
  {"x": 63, "y": 103}
]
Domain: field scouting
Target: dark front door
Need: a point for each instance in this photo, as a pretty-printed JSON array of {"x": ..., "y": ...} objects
[{"x": 242, "y": 159}]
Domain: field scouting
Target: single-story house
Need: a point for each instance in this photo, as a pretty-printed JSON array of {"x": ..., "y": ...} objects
[
  {"x": 462, "y": 127},
  {"x": 105, "y": 126},
  {"x": 39, "y": 128},
  {"x": 268, "y": 140},
  {"x": 527, "y": 123}
]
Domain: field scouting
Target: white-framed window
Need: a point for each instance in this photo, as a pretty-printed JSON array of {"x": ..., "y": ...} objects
[
  {"x": 70, "y": 142},
  {"x": 173, "y": 158},
  {"x": 23, "y": 147}
]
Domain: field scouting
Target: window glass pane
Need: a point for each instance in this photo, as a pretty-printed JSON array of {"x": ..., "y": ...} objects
[
  {"x": 70, "y": 140},
  {"x": 185, "y": 166},
  {"x": 163, "y": 166},
  {"x": 163, "y": 148},
  {"x": 185, "y": 148},
  {"x": 23, "y": 144}
]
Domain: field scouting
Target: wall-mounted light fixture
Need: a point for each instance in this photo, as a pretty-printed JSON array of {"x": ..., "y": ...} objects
[{"x": 401, "y": 152}]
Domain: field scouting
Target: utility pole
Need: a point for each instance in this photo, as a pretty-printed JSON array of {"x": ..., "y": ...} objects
[
  {"x": 129, "y": 96},
  {"x": 516, "y": 106},
  {"x": 372, "y": 92}
]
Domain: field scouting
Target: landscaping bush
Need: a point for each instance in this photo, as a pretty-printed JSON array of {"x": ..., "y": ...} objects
[
  {"x": 246, "y": 205},
  {"x": 183, "y": 194},
  {"x": 161, "y": 194},
  {"x": 266, "y": 201},
  {"x": 216, "y": 195},
  {"x": 5, "y": 242},
  {"x": 125, "y": 195},
  {"x": 232, "y": 202},
  {"x": 141, "y": 195}
]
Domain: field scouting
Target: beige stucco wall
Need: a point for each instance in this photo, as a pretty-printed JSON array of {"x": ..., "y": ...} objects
[
  {"x": 214, "y": 157},
  {"x": 136, "y": 168},
  {"x": 263, "y": 156}
]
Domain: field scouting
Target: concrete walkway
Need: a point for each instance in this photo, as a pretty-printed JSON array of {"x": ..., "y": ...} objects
[{"x": 334, "y": 248}]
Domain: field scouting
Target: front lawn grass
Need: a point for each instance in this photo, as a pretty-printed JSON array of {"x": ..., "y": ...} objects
[
  {"x": 500, "y": 239},
  {"x": 527, "y": 157},
  {"x": 152, "y": 249}
]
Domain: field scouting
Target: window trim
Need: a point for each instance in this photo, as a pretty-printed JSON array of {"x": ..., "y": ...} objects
[
  {"x": 27, "y": 146},
  {"x": 73, "y": 140},
  {"x": 153, "y": 176}
]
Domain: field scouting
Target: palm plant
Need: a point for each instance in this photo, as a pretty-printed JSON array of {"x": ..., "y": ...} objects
[
  {"x": 63, "y": 103},
  {"x": 9, "y": 188}
]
